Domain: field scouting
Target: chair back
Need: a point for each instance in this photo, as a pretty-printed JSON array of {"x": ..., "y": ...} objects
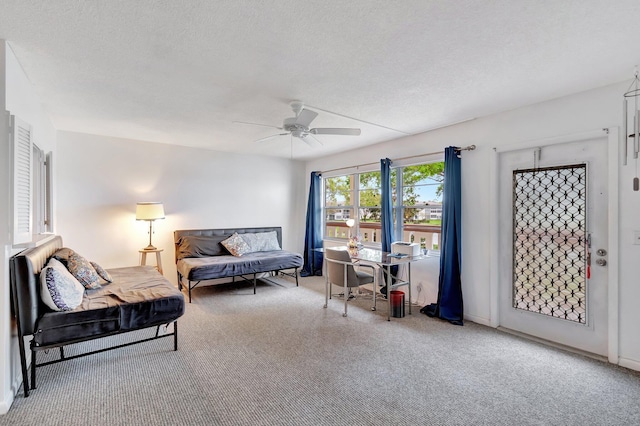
[{"x": 337, "y": 261}]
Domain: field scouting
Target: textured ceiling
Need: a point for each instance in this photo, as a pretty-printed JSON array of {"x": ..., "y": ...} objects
[{"x": 182, "y": 71}]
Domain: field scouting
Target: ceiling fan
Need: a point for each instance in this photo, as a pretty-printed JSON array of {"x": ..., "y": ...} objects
[{"x": 298, "y": 126}]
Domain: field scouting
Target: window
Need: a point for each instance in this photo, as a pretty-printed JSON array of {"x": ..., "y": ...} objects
[
  {"x": 31, "y": 185},
  {"x": 338, "y": 205},
  {"x": 417, "y": 214},
  {"x": 422, "y": 187},
  {"x": 369, "y": 207}
]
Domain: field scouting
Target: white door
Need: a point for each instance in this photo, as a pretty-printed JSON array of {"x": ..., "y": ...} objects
[{"x": 553, "y": 215}]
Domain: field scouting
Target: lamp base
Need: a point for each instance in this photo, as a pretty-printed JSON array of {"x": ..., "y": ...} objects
[{"x": 149, "y": 248}]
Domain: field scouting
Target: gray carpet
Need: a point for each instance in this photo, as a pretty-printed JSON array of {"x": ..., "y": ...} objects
[{"x": 279, "y": 358}]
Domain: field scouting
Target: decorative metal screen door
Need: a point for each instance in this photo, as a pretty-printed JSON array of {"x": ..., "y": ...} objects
[
  {"x": 548, "y": 215},
  {"x": 550, "y": 242}
]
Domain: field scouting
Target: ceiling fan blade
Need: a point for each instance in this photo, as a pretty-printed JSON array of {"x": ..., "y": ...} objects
[
  {"x": 316, "y": 139},
  {"x": 271, "y": 137},
  {"x": 257, "y": 124},
  {"x": 305, "y": 117},
  {"x": 306, "y": 140},
  {"x": 335, "y": 131}
]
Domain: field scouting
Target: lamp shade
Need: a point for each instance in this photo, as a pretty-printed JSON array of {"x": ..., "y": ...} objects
[{"x": 149, "y": 211}]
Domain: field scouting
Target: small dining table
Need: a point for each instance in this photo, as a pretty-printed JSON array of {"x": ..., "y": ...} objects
[{"x": 385, "y": 260}]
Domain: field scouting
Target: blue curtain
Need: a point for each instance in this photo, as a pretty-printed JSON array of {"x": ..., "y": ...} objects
[
  {"x": 387, "y": 204},
  {"x": 387, "y": 212},
  {"x": 449, "y": 306},
  {"x": 313, "y": 233}
]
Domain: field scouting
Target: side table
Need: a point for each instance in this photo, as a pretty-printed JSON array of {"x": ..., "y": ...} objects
[{"x": 143, "y": 258}]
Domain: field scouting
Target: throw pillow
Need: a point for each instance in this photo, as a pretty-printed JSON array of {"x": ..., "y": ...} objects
[
  {"x": 59, "y": 290},
  {"x": 83, "y": 271},
  {"x": 236, "y": 245},
  {"x": 101, "y": 272},
  {"x": 63, "y": 255},
  {"x": 200, "y": 246},
  {"x": 261, "y": 241}
]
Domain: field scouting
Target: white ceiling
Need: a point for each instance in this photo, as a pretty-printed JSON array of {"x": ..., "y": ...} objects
[{"x": 181, "y": 72}]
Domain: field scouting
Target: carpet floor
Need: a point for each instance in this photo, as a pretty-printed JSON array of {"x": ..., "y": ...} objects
[{"x": 280, "y": 358}]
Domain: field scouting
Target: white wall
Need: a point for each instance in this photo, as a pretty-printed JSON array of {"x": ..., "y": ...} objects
[
  {"x": 18, "y": 97},
  {"x": 574, "y": 114},
  {"x": 100, "y": 179}
]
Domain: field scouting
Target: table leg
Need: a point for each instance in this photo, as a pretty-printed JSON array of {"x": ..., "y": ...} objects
[
  {"x": 327, "y": 288},
  {"x": 376, "y": 273},
  {"x": 409, "y": 263},
  {"x": 389, "y": 283},
  {"x": 159, "y": 261},
  {"x": 346, "y": 290}
]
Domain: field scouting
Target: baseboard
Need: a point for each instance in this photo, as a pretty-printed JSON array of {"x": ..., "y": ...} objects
[
  {"x": 555, "y": 345},
  {"x": 6, "y": 404},
  {"x": 629, "y": 363},
  {"x": 478, "y": 320}
]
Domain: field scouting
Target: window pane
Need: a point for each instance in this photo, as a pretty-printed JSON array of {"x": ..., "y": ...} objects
[
  {"x": 339, "y": 215},
  {"x": 422, "y": 187},
  {"x": 370, "y": 180},
  {"x": 422, "y": 184},
  {"x": 369, "y": 214},
  {"x": 338, "y": 206},
  {"x": 338, "y": 191}
]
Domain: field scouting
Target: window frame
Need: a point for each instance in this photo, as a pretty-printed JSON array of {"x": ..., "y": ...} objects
[{"x": 398, "y": 204}]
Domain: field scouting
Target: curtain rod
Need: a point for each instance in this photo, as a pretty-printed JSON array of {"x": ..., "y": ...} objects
[{"x": 466, "y": 148}]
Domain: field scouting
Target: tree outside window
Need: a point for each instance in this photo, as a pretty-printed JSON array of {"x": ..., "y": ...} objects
[{"x": 421, "y": 187}]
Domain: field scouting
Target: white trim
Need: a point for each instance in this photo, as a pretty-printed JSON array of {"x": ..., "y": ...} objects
[
  {"x": 6, "y": 405},
  {"x": 613, "y": 247},
  {"x": 630, "y": 363},
  {"x": 555, "y": 140},
  {"x": 494, "y": 232},
  {"x": 478, "y": 320}
]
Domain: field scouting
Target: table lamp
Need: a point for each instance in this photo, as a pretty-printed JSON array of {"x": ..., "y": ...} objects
[
  {"x": 149, "y": 211},
  {"x": 350, "y": 223},
  {"x": 353, "y": 242}
]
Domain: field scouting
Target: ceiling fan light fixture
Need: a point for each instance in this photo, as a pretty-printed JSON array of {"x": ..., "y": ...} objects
[{"x": 298, "y": 126}]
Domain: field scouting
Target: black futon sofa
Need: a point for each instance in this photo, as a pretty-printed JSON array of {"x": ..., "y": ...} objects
[{"x": 138, "y": 297}]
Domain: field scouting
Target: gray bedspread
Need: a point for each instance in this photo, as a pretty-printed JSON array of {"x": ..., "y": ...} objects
[
  {"x": 138, "y": 297},
  {"x": 208, "y": 268}
]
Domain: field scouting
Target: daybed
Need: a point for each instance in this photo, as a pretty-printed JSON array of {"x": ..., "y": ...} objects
[
  {"x": 138, "y": 297},
  {"x": 200, "y": 255}
]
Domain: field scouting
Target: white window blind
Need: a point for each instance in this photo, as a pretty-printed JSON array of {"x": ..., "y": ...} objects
[{"x": 22, "y": 146}]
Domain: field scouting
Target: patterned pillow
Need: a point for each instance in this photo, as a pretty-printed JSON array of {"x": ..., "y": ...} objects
[
  {"x": 63, "y": 255},
  {"x": 261, "y": 241},
  {"x": 83, "y": 271},
  {"x": 59, "y": 290},
  {"x": 101, "y": 272},
  {"x": 236, "y": 245}
]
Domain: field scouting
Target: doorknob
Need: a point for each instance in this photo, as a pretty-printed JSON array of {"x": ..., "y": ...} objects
[
  {"x": 601, "y": 252},
  {"x": 601, "y": 262}
]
